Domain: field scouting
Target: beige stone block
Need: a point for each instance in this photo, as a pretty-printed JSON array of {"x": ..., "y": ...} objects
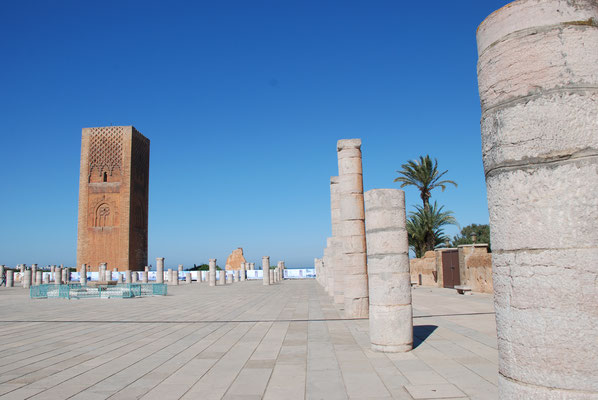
[
  {"x": 350, "y": 165},
  {"x": 390, "y": 328},
  {"x": 351, "y": 183},
  {"x": 387, "y": 241}
]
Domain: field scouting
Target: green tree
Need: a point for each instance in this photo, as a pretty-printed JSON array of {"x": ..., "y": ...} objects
[
  {"x": 482, "y": 232},
  {"x": 203, "y": 267},
  {"x": 424, "y": 175},
  {"x": 425, "y": 228}
]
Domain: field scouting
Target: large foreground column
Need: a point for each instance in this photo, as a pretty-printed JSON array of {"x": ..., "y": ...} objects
[
  {"x": 10, "y": 278},
  {"x": 391, "y": 318},
  {"x": 334, "y": 253},
  {"x": 27, "y": 279},
  {"x": 160, "y": 270},
  {"x": 352, "y": 229},
  {"x": 538, "y": 82},
  {"x": 266, "y": 270},
  {"x": 212, "y": 272}
]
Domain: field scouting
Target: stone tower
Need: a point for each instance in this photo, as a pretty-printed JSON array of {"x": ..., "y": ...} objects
[{"x": 113, "y": 198}]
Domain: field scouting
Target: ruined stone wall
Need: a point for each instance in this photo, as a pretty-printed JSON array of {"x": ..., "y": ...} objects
[
  {"x": 475, "y": 267},
  {"x": 426, "y": 266}
]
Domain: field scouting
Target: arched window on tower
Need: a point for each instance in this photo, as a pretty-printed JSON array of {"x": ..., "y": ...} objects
[{"x": 105, "y": 177}]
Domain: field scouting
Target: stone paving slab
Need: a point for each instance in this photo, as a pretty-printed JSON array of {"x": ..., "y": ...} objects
[{"x": 240, "y": 341}]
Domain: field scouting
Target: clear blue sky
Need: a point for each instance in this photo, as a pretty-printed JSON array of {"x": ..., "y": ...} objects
[{"x": 243, "y": 102}]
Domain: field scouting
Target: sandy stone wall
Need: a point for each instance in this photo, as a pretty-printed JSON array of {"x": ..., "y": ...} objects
[
  {"x": 475, "y": 267},
  {"x": 235, "y": 260},
  {"x": 426, "y": 266}
]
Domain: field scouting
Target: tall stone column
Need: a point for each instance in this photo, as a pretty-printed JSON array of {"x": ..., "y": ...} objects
[
  {"x": 352, "y": 229},
  {"x": 188, "y": 277},
  {"x": 271, "y": 273},
  {"x": 391, "y": 318},
  {"x": 334, "y": 253},
  {"x": 10, "y": 278},
  {"x": 38, "y": 277},
  {"x": 27, "y": 279},
  {"x": 66, "y": 275},
  {"x": 160, "y": 270},
  {"x": 212, "y": 272},
  {"x": 34, "y": 274},
  {"x": 266, "y": 270},
  {"x": 102, "y": 272},
  {"x": 538, "y": 83},
  {"x": 243, "y": 272},
  {"x": 83, "y": 277},
  {"x": 222, "y": 277}
]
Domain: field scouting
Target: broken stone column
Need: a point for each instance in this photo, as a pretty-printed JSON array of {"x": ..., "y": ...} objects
[
  {"x": 266, "y": 270},
  {"x": 10, "y": 278},
  {"x": 66, "y": 275},
  {"x": 128, "y": 277},
  {"x": 538, "y": 83},
  {"x": 83, "y": 275},
  {"x": 27, "y": 279},
  {"x": 236, "y": 276},
  {"x": 102, "y": 271},
  {"x": 253, "y": 266},
  {"x": 188, "y": 277},
  {"x": 175, "y": 277},
  {"x": 134, "y": 278},
  {"x": 34, "y": 274},
  {"x": 271, "y": 272},
  {"x": 352, "y": 227},
  {"x": 160, "y": 270},
  {"x": 57, "y": 276},
  {"x": 243, "y": 273},
  {"x": 144, "y": 277},
  {"x": 46, "y": 278},
  {"x": 222, "y": 277},
  {"x": 212, "y": 272},
  {"x": 391, "y": 318},
  {"x": 38, "y": 277}
]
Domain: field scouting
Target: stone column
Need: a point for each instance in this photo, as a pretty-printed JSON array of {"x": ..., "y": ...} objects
[
  {"x": 352, "y": 226},
  {"x": 102, "y": 272},
  {"x": 66, "y": 275},
  {"x": 10, "y": 278},
  {"x": 57, "y": 276},
  {"x": 243, "y": 273},
  {"x": 108, "y": 277},
  {"x": 188, "y": 277},
  {"x": 253, "y": 266},
  {"x": 538, "y": 83},
  {"x": 222, "y": 277},
  {"x": 391, "y": 318},
  {"x": 128, "y": 277},
  {"x": 266, "y": 270},
  {"x": 160, "y": 270},
  {"x": 83, "y": 273},
  {"x": 46, "y": 278},
  {"x": 134, "y": 278},
  {"x": 334, "y": 255},
  {"x": 27, "y": 279},
  {"x": 236, "y": 275},
  {"x": 34, "y": 274},
  {"x": 38, "y": 277},
  {"x": 2, "y": 270},
  {"x": 146, "y": 269},
  {"x": 271, "y": 272},
  {"x": 212, "y": 272},
  {"x": 144, "y": 277}
]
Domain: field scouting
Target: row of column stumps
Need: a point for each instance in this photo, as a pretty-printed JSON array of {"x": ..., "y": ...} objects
[{"x": 538, "y": 85}]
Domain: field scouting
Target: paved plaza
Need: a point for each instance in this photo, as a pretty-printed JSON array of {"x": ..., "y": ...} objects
[{"x": 241, "y": 341}]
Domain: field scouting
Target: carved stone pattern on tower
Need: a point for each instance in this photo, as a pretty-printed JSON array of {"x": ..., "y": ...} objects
[{"x": 105, "y": 149}]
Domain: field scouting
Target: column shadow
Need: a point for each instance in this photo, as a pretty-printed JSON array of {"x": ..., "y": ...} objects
[{"x": 421, "y": 333}]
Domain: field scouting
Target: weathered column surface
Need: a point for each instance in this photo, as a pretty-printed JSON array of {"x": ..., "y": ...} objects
[
  {"x": 188, "y": 277},
  {"x": 180, "y": 267},
  {"x": 222, "y": 277},
  {"x": 352, "y": 229},
  {"x": 391, "y": 318},
  {"x": 144, "y": 277},
  {"x": 334, "y": 245},
  {"x": 38, "y": 277},
  {"x": 65, "y": 275},
  {"x": 252, "y": 266},
  {"x": 243, "y": 272},
  {"x": 128, "y": 276},
  {"x": 27, "y": 279},
  {"x": 83, "y": 272},
  {"x": 46, "y": 278},
  {"x": 538, "y": 83},
  {"x": 10, "y": 278},
  {"x": 266, "y": 270},
  {"x": 160, "y": 270},
  {"x": 101, "y": 271},
  {"x": 212, "y": 272},
  {"x": 134, "y": 277}
]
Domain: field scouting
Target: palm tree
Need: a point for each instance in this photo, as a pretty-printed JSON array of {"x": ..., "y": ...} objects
[
  {"x": 424, "y": 228},
  {"x": 424, "y": 175}
]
